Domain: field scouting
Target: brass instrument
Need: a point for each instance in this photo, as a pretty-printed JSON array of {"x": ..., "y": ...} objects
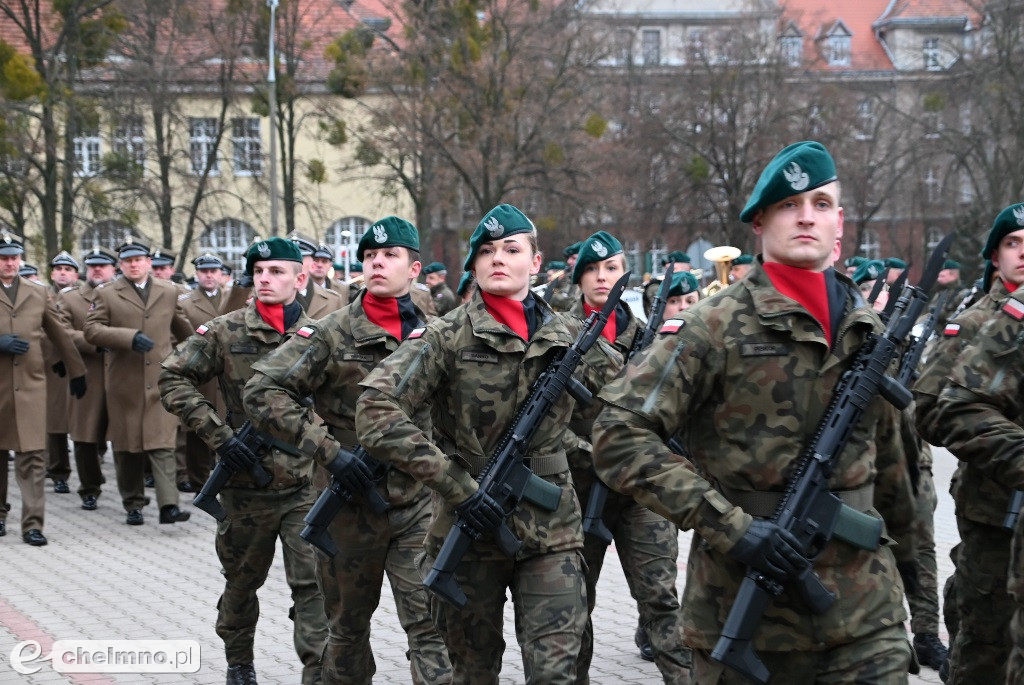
[
  {"x": 542, "y": 289},
  {"x": 722, "y": 256}
]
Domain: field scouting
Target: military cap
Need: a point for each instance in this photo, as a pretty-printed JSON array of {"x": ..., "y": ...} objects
[
  {"x": 389, "y": 232},
  {"x": 226, "y": 269},
  {"x": 501, "y": 222},
  {"x": 323, "y": 251},
  {"x": 870, "y": 270},
  {"x": 355, "y": 268},
  {"x": 132, "y": 248},
  {"x": 27, "y": 270},
  {"x": 10, "y": 245},
  {"x": 572, "y": 249},
  {"x": 986, "y": 276},
  {"x": 683, "y": 283},
  {"x": 208, "y": 261},
  {"x": 677, "y": 257},
  {"x": 163, "y": 257},
  {"x": 797, "y": 168},
  {"x": 556, "y": 266},
  {"x": 1007, "y": 221},
  {"x": 305, "y": 244},
  {"x": 64, "y": 258},
  {"x": 743, "y": 259},
  {"x": 464, "y": 282},
  {"x": 596, "y": 248},
  {"x": 951, "y": 264},
  {"x": 895, "y": 263},
  {"x": 433, "y": 268},
  {"x": 854, "y": 261},
  {"x": 97, "y": 256},
  {"x": 272, "y": 248}
]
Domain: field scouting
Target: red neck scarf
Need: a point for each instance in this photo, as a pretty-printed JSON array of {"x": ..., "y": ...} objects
[
  {"x": 806, "y": 287},
  {"x": 610, "y": 328},
  {"x": 273, "y": 314},
  {"x": 1010, "y": 287},
  {"x": 384, "y": 313},
  {"x": 507, "y": 311}
]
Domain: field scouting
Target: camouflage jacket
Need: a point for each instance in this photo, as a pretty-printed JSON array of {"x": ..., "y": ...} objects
[
  {"x": 476, "y": 372},
  {"x": 566, "y": 294},
  {"x": 748, "y": 376},
  {"x": 326, "y": 362},
  {"x": 444, "y": 298},
  {"x": 226, "y": 349}
]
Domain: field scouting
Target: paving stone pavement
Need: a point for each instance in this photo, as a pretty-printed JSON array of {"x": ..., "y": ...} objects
[{"x": 100, "y": 579}]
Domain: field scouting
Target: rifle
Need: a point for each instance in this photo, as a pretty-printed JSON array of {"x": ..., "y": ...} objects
[
  {"x": 968, "y": 299},
  {"x": 506, "y": 476},
  {"x": 808, "y": 510},
  {"x": 334, "y": 497},
  {"x": 890, "y": 305},
  {"x": 912, "y": 357},
  {"x": 258, "y": 443},
  {"x": 876, "y": 289},
  {"x": 592, "y": 521}
]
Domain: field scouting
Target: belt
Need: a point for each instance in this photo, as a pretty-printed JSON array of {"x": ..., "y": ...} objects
[
  {"x": 549, "y": 464},
  {"x": 765, "y": 504}
]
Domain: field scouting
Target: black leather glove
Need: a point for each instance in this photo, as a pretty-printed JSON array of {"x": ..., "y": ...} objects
[
  {"x": 59, "y": 369},
  {"x": 244, "y": 281},
  {"x": 352, "y": 473},
  {"x": 142, "y": 342},
  {"x": 481, "y": 511},
  {"x": 236, "y": 456},
  {"x": 771, "y": 550},
  {"x": 12, "y": 344},
  {"x": 77, "y": 387}
]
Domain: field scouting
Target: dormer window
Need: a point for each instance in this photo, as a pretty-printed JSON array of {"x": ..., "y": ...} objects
[
  {"x": 931, "y": 55},
  {"x": 837, "y": 45},
  {"x": 791, "y": 46}
]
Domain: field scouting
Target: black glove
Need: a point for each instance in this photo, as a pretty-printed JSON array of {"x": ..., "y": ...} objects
[
  {"x": 481, "y": 511},
  {"x": 771, "y": 550},
  {"x": 59, "y": 369},
  {"x": 236, "y": 456},
  {"x": 77, "y": 387},
  {"x": 142, "y": 342},
  {"x": 12, "y": 344},
  {"x": 352, "y": 473},
  {"x": 244, "y": 281}
]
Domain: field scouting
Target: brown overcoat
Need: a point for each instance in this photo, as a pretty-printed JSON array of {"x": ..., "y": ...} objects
[
  {"x": 57, "y": 395},
  {"x": 198, "y": 309},
  {"x": 87, "y": 418}
]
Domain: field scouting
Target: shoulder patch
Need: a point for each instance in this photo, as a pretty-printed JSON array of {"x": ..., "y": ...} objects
[
  {"x": 423, "y": 286},
  {"x": 1014, "y": 308},
  {"x": 202, "y": 329},
  {"x": 951, "y": 330},
  {"x": 67, "y": 289},
  {"x": 305, "y": 332},
  {"x": 184, "y": 296},
  {"x": 672, "y": 326},
  {"x": 417, "y": 333}
]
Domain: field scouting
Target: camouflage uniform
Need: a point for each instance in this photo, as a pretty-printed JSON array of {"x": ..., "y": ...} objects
[
  {"x": 748, "y": 376},
  {"x": 978, "y": 418},
  {"x": 647, "y": 544},
  {"x": 225, "y": 348},
  {"x": 444, "y": 298},
  {"x": 476, "y": 372},
  {"x": 566, "y": 294},
  {"x": 327, "y": 364}
]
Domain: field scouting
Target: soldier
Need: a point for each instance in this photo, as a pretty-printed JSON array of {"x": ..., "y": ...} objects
[
  {"x": 683, "y": 294},
  {"x": 895, "y": 267},
  {"x": 435, "y": 274},
  {"x": 682, "y": 265},
  {"x": 29, "y": 272},
  {"x": 475, "y": 366},
  {"x": 87, "y": 421},
  {"x": 26, "y": 312},
  {"x": 747, "y": 375},
  {"x": 224, "y": 350},
  {"x": 320, "y": 266},
  {"x": 163, "y": 264},
  {"x": 852, "y": 263},
  {"x": 740, "y": 267},
  {"x": 327, "y": 361},
  {"x": 646, "y": 543},
  {"x": 981, "y": 645},
  {"x": 566, "y": 292},
  {"x": 316, "y": 301},
  {"x": 949, "y": 280},
  {"x": 63, "y": 274},
  {"x": 133, "y": 318}
]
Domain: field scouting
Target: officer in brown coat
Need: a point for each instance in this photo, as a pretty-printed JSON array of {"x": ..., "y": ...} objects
[
  {"x": 316, "y": 301},
  {"x": 133, "y": 318},
  {"x": 25, "y": 314},
  {"x": 63, "y": 274}
]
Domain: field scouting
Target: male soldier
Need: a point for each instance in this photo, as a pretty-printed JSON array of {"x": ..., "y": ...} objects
[
  {"x": 566, "y": 292},
  {"x": 63, "y": 274},
  {"x": 981, "y": 645},
  {"x": 949, "y": 280},
  {"x": 163, "y": 264},
  {"x": 223, "y": 350},
  {"x": 747, "y": 374},
  {"x": 87, "y": 421},
  {"x": 316, "y": 302},
  {"x": 896, "y": 267},
  {"x": 29, "y": 272},
  {"x": 326, "y": 361},
  {"x": 435, "y": 274},
  {"x": 853, "y": 263},
  {"x": 133, "y": 318},
  {"x": 320, "y": 266},
  {"x": 740, "y": 267},
  {"x": 25, "y": 313}
]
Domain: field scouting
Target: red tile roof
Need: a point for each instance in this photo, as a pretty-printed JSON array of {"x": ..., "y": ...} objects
[
  {"x": 815, "y": 17},
  {"x": 929, "y": 9}
]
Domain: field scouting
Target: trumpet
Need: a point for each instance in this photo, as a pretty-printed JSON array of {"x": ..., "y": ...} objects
[{"x": 722, "y": 257}]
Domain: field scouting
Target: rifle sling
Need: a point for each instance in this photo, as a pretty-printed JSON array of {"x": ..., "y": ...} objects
[
  {"x": 274, "y": 442},
  {"x": 764, "y": 504}
]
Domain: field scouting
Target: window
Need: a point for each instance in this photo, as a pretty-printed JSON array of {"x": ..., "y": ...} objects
[
  {"x": 346, "y": 232},
  {"x": 87, "y": 152},
  {"x": 932, "y": 237},
  {"x": 247, "y": 143},
  {"x": 965, "y": 192},
  {"x": 108, "y": 234},
  {"x": 622, "y": 47},
  {"x": 932, "y": 186},
  {"x": 130, "y": 140},
  {"x": 931, "y": 55},
  {"x": 229, "y": 239},
  {"x": 697, "y": 45},
  {"x": 865, "y": 120},
  {"x": 931, "y": 122},
  {"x": 202, "y": 144},
  {"x": 791, "y": 46},
  {"x": 870, "y": 245},
  {"x": 837, "y": 46},
  {"x": 650, "y": 46}
]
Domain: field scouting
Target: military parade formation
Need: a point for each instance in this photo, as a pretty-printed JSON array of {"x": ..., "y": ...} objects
[{"x": 494, "y": 441}]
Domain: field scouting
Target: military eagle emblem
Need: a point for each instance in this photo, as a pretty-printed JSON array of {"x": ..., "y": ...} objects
[
  {"x": 798, "y": 179},
  {"x": 263, "y": 249},
  {"x": 600, "y": 250},
  {"x": 379, "y": 234},
  {"x": 494, "y": 227},
  {"x": 1018, "y": 214}
]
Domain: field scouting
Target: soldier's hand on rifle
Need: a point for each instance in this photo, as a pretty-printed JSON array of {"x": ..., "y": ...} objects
[
  {"x": 12, "y": 344},
  {"x": 481, "y": 511},
  {"x": 771, "y": 550},
  {"x": 142, "y": 342},
  {"x": 351, "y": 473},
  {"x": 236, "y": 456}
]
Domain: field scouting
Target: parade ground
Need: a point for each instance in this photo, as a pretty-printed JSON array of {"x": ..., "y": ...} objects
[{"x": 101, "y": 580}]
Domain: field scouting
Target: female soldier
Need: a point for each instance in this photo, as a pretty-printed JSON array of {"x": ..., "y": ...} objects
[
  {"x": 682, "y": 294},
  {"x": 476, "y": 366}
]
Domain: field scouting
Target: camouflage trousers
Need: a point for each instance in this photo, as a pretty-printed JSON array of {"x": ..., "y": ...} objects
[
  {"x": 880, "y": 659},
  {"x": 549, "y": 597},
  {"x": 950, "y": 616},
  {"x": 29, "y": 472},
  {"x": 648, "y": 549},
  {"x": 982, "y": 645},
  {"x": 923, "y": 597},
  {"x": 245, "y": 546},
  {"x": 369, "y": 546}
]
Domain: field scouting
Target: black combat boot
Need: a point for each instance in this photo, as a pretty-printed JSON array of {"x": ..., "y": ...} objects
[
  {"x": 242, "y": 674},
  {"x": 930, "y": 650},
  {"x": 644, "y": 643}
]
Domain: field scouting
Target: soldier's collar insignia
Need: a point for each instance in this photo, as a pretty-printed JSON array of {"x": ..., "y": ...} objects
[
  {"x": 951, "y": 330},
  {"x": 672, "y": 326},
  {"x": 202, "y": 329},
  {"x": 306, "y": 332},
  {"x": 416, "y": 333},
  {"x": 1014, "y": 308}
]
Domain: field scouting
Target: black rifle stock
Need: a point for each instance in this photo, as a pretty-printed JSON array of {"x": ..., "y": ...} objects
[
  {"x": 258, "y": 443},
  {"x": 808, "y": 509},
  {"x": 912, "y": 357},
  {"x": 506, "y": 476},
  {"x": 334, "y": 497},
  {"x": 593, "y": 524}
]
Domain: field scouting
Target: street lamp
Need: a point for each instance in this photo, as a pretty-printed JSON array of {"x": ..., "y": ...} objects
[{"x": 272, "y": 90}]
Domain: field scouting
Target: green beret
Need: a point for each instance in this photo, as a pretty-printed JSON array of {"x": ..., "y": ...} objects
[
  {"x": 743, "y": 259},
  {"x": 389, "y": 232},
  {"x": 796, "y": 169},
  {"x": 683, "y": 283},
  {"x": 1007, "y": 221},
  {"x": 272, "y": 248},
  {"x": 855, "y": 261},
  {"x": 355, "y": 268},
  {"x": 951, "y": 264},
  {"x": 677, "y": 257},
  {"x": 596, "y": 248},
  {"x": 464, "y": 282},
  {"x": 500, "y": 222},
  {"x": 895, "y": 263},
  {"x": 572, "y": 249},
  {"x": 556, "y": 266},
  {"x": 870, "y": 270},
  {"x": 433, "y": 267}
]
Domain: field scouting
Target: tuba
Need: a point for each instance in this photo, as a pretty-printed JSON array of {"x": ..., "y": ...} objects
[{"x": 722, "y": 257}]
